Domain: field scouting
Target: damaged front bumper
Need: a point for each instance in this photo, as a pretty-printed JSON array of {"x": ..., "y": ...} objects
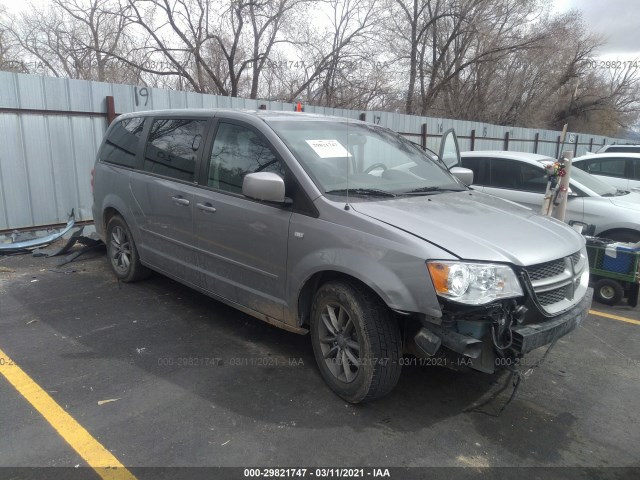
[
  {"x": 483, "y": 354},
  {"x": 32, "y": 243},
  {"x": 530, "y": 337}
]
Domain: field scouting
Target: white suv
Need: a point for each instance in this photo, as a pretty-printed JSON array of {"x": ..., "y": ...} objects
[{"x": 622, "y": 170}]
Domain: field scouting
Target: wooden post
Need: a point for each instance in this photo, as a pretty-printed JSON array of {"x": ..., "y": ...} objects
[
  {"x": 506, "y": 141},
  {"x": 111, "y": 109},
  {"x": 536, "y": 139},
  {"x": 363, "y": 117},
  {"x": 473, "y": 140},
  {"x": 423, "y": 136}
]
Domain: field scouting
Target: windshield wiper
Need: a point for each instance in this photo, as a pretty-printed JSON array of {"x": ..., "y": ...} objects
[
  {"x": 423, "y": 190},
  {"x": 374, "y": 192}
]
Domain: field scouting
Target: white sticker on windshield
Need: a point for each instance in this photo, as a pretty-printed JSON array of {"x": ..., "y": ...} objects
[{"x": 328, "y": 148}]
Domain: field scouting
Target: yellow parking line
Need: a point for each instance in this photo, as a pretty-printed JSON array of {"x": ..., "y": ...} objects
[
  {"x": 614, "y": 317},
  {"x": 98, "y": 457}
]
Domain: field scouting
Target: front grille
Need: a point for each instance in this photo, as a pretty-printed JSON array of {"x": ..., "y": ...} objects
[
  {"x": 552, "y": 296},
  {"x": 546, "y": 270},
  {"x": 555, "y": 283}
]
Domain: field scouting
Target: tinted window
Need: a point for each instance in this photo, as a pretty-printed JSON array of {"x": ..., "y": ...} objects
[
  {"x": 172, "y": 147},
  {"x": 516, "y": 175},
  {"x": 121, "y": 144},
  {"x": 479, "y": 167},
  {"x": 623, "y": 149},
  {"x": 611, "y": 167},
  {"x": 237, "y": 151}
]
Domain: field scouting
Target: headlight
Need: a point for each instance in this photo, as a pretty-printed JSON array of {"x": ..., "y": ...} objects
[{"x": 473, "y": 283}]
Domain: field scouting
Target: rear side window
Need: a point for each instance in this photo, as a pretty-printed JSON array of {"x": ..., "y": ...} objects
[
  {"x": 610, "y": 167},
  {"x": 173, "y": 146},
  {"x": 237, "y": 151},
  {"x": 122, "y": 142}
]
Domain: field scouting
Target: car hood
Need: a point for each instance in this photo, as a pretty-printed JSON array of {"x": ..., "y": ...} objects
[{"x": 477, "y": 226}]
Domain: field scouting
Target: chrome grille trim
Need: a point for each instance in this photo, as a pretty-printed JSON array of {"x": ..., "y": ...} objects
[{"x": 556, "y": 284}]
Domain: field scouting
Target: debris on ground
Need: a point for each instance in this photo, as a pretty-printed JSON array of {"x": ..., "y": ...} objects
[
  {"x": 24, "y": 242},
  {"x": 110, "y": 400}
]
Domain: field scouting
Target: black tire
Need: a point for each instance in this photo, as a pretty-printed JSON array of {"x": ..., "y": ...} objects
[
  {"x": 623, "y": 236},
  {"x": 122, "y": 252},
  {"x": 608, "y": 291},
  {"x": 362, "y": 329}
]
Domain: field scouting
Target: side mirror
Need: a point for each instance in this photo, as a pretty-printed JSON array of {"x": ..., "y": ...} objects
[
  {"x": 465, "y": 175},
  {"x": 265, "y": 186}
]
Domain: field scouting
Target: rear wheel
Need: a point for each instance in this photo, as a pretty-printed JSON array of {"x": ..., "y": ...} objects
[
  {"x": 356, "y": 341},
  {"x": 608, "y": 291},
  {"x": 122, "y": 252}
]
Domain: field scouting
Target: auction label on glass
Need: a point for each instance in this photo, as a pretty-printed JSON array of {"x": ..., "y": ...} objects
[{"x": 328, "y": 148}]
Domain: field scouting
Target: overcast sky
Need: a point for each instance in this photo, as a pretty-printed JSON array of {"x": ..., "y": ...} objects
[{"x": 618, "y": 20}]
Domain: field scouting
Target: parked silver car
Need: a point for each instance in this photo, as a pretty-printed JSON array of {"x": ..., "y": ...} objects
[
  {"x": 619, "y": 149},
  {"x": 622, "y": 170},
  {"x": 520, "y": 177},
  {"x": 339, "y": 228}
]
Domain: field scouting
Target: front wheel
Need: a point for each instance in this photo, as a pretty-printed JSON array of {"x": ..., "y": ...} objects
[
  {"x": 356, "y": 341},
  {"x": 608, "y": 291}
]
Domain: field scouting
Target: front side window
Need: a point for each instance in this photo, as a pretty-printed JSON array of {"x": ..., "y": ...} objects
[
  {"x": 237, "y": 151},
  {"x": 479, "y": 166},
  {"x": 504, "y": 173},
  {"x": 337, "y": 155},
  {"x": 121, "y": 144},
  {"x": 172, "y": 147}
]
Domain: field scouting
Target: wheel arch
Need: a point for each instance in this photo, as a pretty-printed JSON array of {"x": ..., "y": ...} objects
[
  {"x": 620, "y": 231},
  {"x": 316, "y": 280}
]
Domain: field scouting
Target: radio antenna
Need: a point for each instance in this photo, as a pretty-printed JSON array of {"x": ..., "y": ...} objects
[{"x": 346, "y": 206}]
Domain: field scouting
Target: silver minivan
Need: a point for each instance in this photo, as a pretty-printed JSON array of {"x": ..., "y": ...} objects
[{"x": 341, "y": 229}]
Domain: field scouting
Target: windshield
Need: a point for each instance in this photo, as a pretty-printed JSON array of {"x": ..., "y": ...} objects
[
  {"x": 378, "y": 161},
  {"x": 592, "y": 183}
]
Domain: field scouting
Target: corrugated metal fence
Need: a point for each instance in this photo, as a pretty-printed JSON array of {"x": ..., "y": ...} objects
[{"x": 50, "y": 129}]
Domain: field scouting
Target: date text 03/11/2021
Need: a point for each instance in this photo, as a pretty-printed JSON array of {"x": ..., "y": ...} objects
[{"x": 316, "y": 472}]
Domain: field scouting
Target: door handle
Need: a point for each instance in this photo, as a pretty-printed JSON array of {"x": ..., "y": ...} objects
[
  {"x": 180, "y": 200},
  {"x": 206, "y": 207}
]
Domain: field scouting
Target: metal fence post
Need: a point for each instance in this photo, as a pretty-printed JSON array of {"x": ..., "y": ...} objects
[
  {"x": 558, "y": 147},
  {"x": 363, "y": 117},
  {"x": 423, "y": 136},
  {"x": 591, "y": 145},
  {"x": 575, "y": 147},
  {"x": 536, "y": 139},
  {"x": 473, "y": 140},
  {"x": 506, "y": 141},
  {"x": 111, "y": 109}
]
